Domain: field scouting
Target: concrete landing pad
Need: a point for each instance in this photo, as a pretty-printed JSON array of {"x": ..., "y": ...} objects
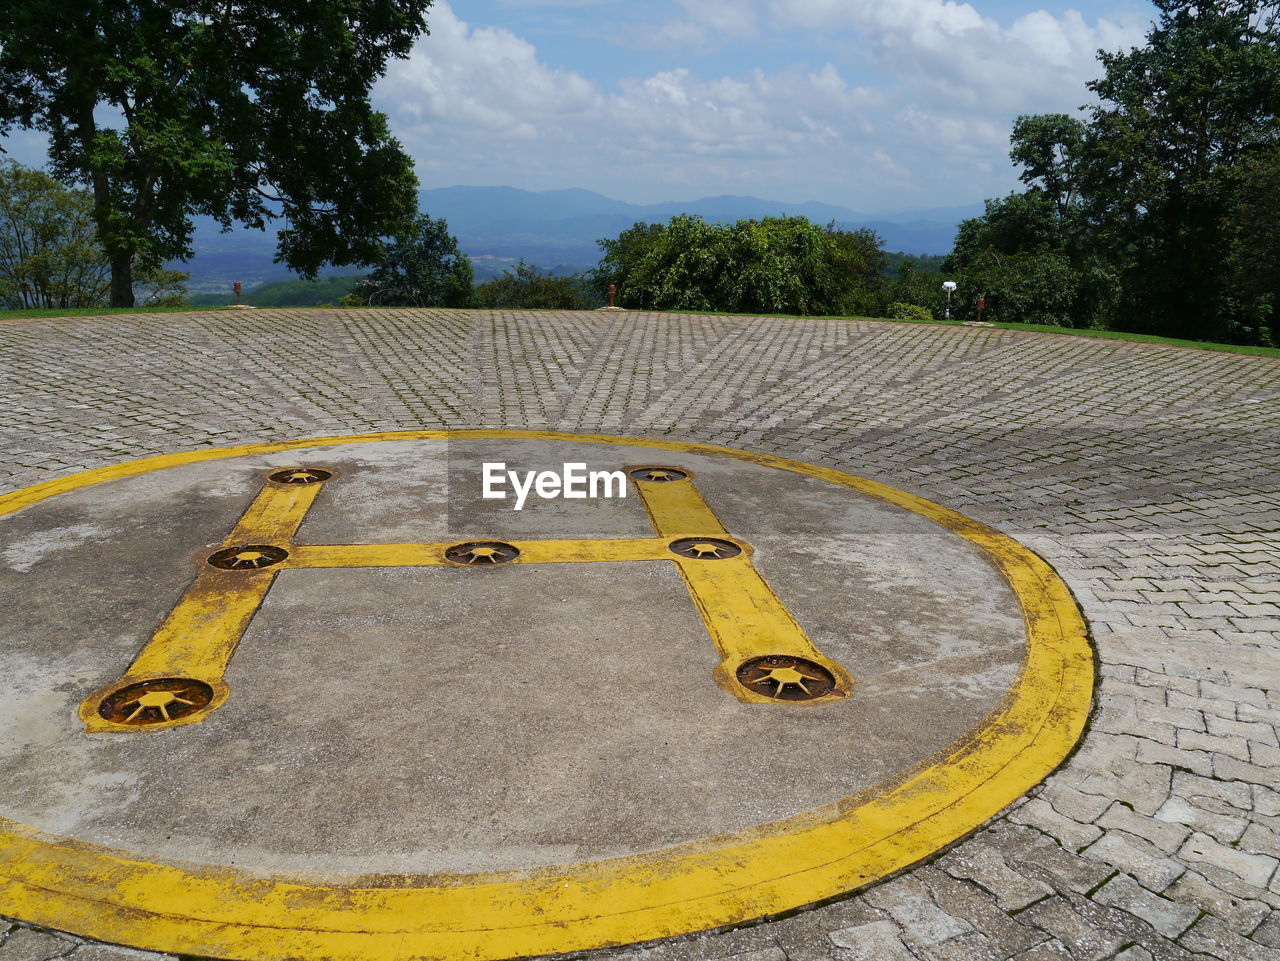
[{"x": 325, "y": 699}]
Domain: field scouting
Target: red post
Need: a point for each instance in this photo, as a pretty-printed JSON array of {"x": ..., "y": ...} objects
[
  {"x": 982, "y": 303},
  {"x": 613, "y": 292},
  {"x": 237, "y": 288}
]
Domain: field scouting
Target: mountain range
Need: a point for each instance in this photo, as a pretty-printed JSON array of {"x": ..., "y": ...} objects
[{"x": 557, "y": 229}]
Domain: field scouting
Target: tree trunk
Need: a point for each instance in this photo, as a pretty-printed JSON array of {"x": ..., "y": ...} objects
[{"x": 122, "y": 280}]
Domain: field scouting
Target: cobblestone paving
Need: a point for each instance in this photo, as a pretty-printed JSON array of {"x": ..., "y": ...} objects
[{"x": 1149, "y": 476}]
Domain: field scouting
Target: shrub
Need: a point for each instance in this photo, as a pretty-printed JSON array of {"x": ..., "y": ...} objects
[
  {"x": 909, "y": 312},
  {"x": 528, "y": 287},
  {"x": 785, "y": 265}
]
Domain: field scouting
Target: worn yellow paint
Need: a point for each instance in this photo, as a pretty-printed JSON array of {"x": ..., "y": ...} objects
[
  {"x": 746, "y": 620},
  {"x": 742, "y": 614},
  {"x": 202, "y": 631},
  {"x": 216, "y": 911},
  {"x": 676, "y": 509},
  {"x": 432, "y": 555}
]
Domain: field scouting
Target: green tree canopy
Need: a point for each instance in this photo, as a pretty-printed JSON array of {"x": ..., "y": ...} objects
[
  {"x": 774, "y": 265},
  {"x": 239, "y": 111},
  {"x": 420, "y": 267},
  {"x": 1165, "y": 151},
  {"x": 49, "y": 256}
]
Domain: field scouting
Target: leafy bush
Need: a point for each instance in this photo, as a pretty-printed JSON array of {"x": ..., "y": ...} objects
[
  {"x": 783, "y": 265},
  {"x": 528, "y": 287},
  {"x": 902, "y": 311},
  {"x": 917, "y": 283}
]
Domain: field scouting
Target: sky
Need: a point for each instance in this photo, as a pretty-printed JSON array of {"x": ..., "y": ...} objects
[{"x": 876, "y": 105}]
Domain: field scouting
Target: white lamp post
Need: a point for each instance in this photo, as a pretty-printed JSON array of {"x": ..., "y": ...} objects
[{"x": 949, "y": 286}]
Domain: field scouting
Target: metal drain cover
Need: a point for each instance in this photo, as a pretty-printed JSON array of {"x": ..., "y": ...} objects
[
  {"x": 251, "y": 557},
  {"x": 301, "y": 475},
  {"x": 155, "y": 702},
  {"x": 786, "y": 678},
  {"x": 482, "y": 553},
  {"x": 705, "y": 548},
  {"x": 660, "y": 475}
]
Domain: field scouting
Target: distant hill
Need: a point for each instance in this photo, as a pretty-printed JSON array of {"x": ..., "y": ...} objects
[
  {"x": 557, "y": 230},
  {"x": 562, "y": 226}
]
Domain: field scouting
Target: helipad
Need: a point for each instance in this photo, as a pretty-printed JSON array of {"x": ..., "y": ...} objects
[{"x": 322, "y": 699}]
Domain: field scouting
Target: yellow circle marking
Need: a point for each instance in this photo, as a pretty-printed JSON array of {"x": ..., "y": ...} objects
[{"x": 217, "y": 911}]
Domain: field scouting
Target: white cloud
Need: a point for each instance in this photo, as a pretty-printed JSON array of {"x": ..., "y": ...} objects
[
  {"x": 485, "y": 81},
  {"x": 955, "y": 55},
  {"x": 478, "y": 105}
]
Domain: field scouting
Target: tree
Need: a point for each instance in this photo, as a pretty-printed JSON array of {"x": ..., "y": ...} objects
[
  {"x": 1165, "y": 149},
  {"x": 1137, "y": 217},
  {"x": 1049, "y": 148},
  {"x": 528, "y": 287},
  {"x": 420, "y": 267},
  {"x": 161, "y": 287},
  {"x": 48, "y": 254},
  {"x": 916, "y": 283},
  {"x": 1253, "y": 236},
  {"x": 1030, "y": 257},
  {"x": 239, "y": 111},
  {"x": 774, "y": 265}
]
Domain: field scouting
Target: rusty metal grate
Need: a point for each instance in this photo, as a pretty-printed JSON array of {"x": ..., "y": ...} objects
[
  {"x": 482, "y": 553},
  {"x": 250, "y": 557},
  {"x": 705, "y": 548},
  {"x": 786, "y": 678},
  {"x": 301, "y": 475},
  {"x": 658, "y": 475},
  {"x": 156, "y": 701}
]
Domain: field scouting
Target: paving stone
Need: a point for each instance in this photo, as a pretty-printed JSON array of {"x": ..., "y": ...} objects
[
  {"x": 967, "y": 947},
  {"x": 1170, "y": 918},
  {"x": 1236, "y": 747},
  {"x": 764, "y": 954},
  {"x": 877, "y": 941},
  {"x": 1080, "y": 807},
  {"x": 1268, "y": 932},
  {"x": 1167, "y": 837},
  {"x": 1213, "y": 938},
  {"x": 1221, "y": 827},
  {"x": 1248, "y": 730},
  {"x": 1135, "y": 856},
  {"x": 1002, "y": 933},
  {"x": 908, "y": 901},
  {"x": 1255, "y": 869},
  {"x": 1260, "y": 839},
  {"x": 1233, "y": 797},
  {"x": 982, "y": 863},
  {"x": 1201, "y": 762},
  {"x": 1266, "y": 802},
  {"x": 1241, "y": 914},
  {"x": 1041, "y": 815},
  {"x": 1232, "y": 769},
  {"x": 1049, "y": 951},
  {"x": 32, "y": 944},
  {"x": 1087, "y": 942}
]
